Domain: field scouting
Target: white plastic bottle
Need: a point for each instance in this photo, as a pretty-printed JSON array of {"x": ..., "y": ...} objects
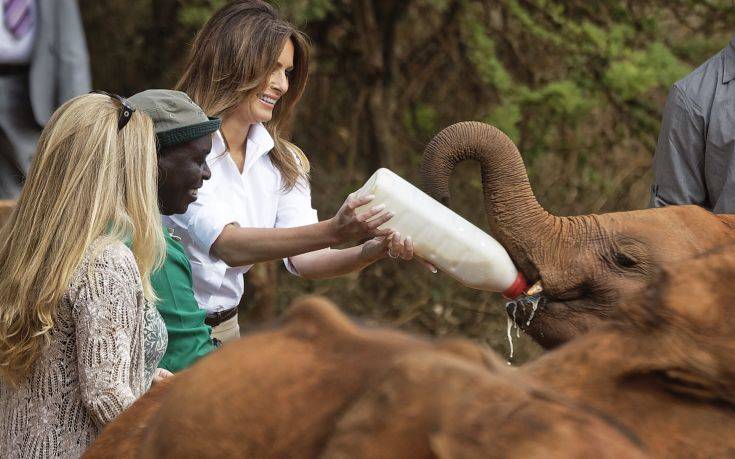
[{"x": 442, "y": 237}]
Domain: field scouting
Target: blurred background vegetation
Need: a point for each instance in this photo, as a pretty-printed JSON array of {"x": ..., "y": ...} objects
[{"x": 578, "y": 85}]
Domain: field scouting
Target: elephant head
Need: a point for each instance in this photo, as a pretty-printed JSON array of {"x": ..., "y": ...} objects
[
  {"x": 585, "y": 263},
  {"x": 664, "y": 366}
]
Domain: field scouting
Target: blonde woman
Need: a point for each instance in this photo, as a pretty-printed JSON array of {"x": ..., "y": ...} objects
[
  {"x": 79, "y": 335},
  {"x": 249, "y": 67}
]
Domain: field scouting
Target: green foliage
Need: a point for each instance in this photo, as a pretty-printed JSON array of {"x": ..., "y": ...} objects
[
  {"x": 422, "y": 119},
  {"x": 610, "y": 43},
  {"x": 692, "y": 49},
  {"x": 304, "y": 11},
  {"x": 195, "y": 14},
  {"x": 564, "y": 99},
  {"x": 482, "y": 54},
  {"x": 639, "y": 71},
  {"x": 530, "y": 24},
  {"x": 506, "y": 117},
  {"x": 578, "y": 85},
  {"x": 439, "y": 5}
]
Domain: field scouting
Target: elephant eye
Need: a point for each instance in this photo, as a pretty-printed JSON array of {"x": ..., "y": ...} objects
[{"x": 623, "y": 260}]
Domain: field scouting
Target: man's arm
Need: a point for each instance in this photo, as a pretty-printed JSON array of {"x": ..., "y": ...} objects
[{"x": 678, "y": 165}]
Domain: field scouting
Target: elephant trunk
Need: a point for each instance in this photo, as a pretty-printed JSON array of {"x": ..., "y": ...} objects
[{"x": 515, "y": 217}]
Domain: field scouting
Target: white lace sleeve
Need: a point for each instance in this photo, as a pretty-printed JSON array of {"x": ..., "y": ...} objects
[{"x": 108, "y": 314}]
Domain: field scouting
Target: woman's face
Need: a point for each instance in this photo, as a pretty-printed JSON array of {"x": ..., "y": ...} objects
[{"x": 259, "y": 107}]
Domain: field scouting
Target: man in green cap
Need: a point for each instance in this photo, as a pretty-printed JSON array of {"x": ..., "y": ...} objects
[{"x": 184, "y": 136}]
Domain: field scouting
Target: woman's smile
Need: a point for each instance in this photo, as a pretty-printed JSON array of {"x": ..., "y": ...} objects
[{"x": 268, "y": 100}]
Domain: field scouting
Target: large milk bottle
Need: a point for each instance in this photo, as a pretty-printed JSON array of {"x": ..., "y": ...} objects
[{"x": 442, "y": 237}]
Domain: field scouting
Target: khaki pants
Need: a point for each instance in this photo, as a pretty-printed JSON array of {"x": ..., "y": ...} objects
[{"x": 227, "y": 331}]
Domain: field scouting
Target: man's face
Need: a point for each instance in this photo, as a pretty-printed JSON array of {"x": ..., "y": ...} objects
[{"x": 182, "y": 170}]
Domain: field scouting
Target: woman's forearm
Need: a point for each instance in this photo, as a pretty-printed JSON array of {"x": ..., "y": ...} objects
[
  {"x": 239, "y": 246},
  {"x": 325, "y": 264}
]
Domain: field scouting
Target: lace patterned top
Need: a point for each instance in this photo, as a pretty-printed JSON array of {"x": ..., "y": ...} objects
[
  {"x": 93, "y": 368},
  {"x": 155, "y": 340}
]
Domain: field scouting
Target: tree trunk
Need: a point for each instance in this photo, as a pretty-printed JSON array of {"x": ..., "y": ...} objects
[{"x": 259, "y": 302}]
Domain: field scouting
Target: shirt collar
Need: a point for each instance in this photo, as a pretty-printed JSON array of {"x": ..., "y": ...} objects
[
  {"x": 728, "y": 62},
  {"x": 258, "y": 135},
  {"x": 218, "y": 144}
]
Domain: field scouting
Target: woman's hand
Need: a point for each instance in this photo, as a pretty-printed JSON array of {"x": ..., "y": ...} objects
[
  {"x": 393, "y": 247},
  {"x": 159, "y": 374},
  {"x": 347, "y": 225}
]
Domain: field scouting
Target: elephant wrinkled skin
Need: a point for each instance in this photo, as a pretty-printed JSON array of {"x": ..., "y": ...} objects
[
  {"x": 655, "y": 381},
  {"x": 586, "y": 263},
  {"x": 665, "y": 366},
  {"x": 320, "y": 386}
]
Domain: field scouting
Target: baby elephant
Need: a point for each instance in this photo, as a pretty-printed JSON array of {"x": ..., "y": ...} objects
[
  {"x": 666, "y": 367},
  {"x": 587, "y": 263},
  {"x": 318, "y": 385},
  {"x": 657, "y": 381}
]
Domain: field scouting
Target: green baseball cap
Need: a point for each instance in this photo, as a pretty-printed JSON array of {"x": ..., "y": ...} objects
[{"x": 176, "y": 118}]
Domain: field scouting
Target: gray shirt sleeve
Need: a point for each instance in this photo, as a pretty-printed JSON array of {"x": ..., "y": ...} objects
[
  {"x": 678, "y": 165},
  {"x": 73, "y": 58}
]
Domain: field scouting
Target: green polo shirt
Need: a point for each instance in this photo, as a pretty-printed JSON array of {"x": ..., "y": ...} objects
[{"x": 188, "y": 336}]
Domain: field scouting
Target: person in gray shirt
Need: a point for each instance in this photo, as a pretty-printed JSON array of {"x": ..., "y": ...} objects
[
  {"x": 43, "y": 63},
  {"x": 695, "y": 161}
]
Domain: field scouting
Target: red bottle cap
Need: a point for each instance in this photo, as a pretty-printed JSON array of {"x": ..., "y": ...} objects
[{"x": 517, "y": 287}]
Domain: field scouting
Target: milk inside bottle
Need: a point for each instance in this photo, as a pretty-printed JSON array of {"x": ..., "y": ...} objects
[{"x": 442, "y": 237}]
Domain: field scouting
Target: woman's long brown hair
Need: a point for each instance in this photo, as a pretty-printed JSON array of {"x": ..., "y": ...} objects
[{"x": 231, "y": 60}]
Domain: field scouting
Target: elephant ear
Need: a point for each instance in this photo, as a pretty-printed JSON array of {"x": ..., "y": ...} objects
[
  {"x": 314, "y": 317},
  {"x": 690, "y": 384},
  {"x": 472, "y": 352},
  {"x": 687, "y": 383}
]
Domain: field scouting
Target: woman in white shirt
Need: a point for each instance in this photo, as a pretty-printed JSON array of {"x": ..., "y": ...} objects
[{"x": 249, "y": 67}]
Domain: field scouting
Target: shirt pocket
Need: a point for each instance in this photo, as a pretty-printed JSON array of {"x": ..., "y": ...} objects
[{"x": 719, "y": 131}]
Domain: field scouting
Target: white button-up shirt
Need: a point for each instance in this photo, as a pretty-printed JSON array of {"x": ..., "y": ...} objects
[{"x": 254, "y": 198}]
